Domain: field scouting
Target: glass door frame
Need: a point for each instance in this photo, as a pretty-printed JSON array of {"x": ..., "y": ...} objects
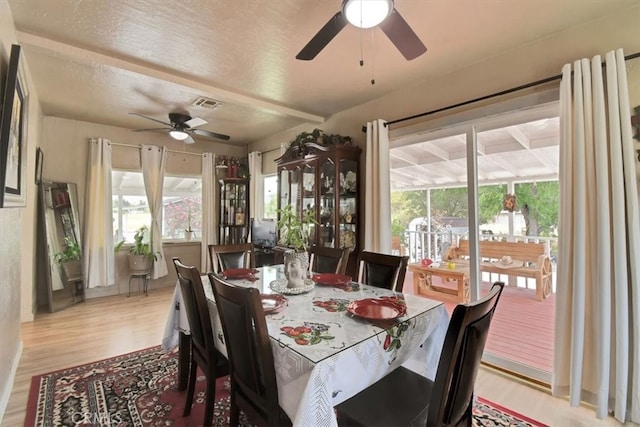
[{"x": 471, "y": 129}]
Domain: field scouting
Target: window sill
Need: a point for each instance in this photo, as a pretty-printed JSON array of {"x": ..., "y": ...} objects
[{"x": 181, "y": 242}]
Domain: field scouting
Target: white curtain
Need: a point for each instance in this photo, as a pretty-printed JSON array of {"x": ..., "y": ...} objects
[
  {"x": 596, "y": 354},
  {"x": 154, "y": 160},
  {"x": 209, "y": 217},
  {"x": 377, "y": 219},
  {"x": 255, "y": 185},
  {"x": 98, "y": 254}
]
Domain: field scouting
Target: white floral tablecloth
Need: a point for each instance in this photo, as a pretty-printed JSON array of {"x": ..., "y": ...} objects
[{"x": 323, "y": 354}]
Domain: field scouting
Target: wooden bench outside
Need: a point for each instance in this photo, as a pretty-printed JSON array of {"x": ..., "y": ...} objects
[{"x": 536, "y": 262}]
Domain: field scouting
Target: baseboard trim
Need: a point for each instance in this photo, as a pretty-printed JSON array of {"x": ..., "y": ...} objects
[{"x": 4, "y": 400}]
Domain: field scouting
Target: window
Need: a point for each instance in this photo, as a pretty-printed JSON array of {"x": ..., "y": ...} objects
[
  {"x": 270, "y": 196},
  {"x": 182, "y": 205}
]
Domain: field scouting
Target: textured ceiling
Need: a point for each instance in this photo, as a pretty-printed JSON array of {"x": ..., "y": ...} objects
[{"x": 97, "y": 60}]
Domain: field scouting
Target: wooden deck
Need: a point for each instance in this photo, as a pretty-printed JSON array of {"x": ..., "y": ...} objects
[{"x": 522, "y": 327}]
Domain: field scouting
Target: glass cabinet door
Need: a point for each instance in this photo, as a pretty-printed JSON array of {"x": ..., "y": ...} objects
[
  {"x": 326, "y": 220},
  {"x": 309, "y": 197},
  {"x": 285, "y": 194},
  {"x": 348, "y": 175},
  {"x": 233, "y": 211}
]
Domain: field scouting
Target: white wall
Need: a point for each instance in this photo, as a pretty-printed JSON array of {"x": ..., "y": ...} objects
[{"x": 16, "y": 231}]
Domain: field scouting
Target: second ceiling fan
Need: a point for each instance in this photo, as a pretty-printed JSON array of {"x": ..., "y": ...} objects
[
  {"x": 367, "y": 14},
  {"x": 182, "y": 126}
]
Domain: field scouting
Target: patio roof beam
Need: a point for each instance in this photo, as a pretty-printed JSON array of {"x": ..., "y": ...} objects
[
  {"x": 431, "y": 148},
  {"x": 517, "y": 134}
]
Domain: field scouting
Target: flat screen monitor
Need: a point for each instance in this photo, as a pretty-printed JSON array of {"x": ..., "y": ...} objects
[{"x": 263, "y": 233}]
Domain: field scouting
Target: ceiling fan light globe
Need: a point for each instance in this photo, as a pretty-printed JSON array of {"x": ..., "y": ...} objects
[
  {"x": 366, "y": 13},
  {"x": 179, "y": 135}
]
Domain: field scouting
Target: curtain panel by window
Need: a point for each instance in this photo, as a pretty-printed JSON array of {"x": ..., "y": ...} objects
[
  {"x": 597, "y": 340},
  {"x": 377, "y": 220},
  {"x": 209, "y": 210},
  {"x": 153, "y": 165},
  {"x": 98, "y": 255},
  {"x": 255, "y": 185}
]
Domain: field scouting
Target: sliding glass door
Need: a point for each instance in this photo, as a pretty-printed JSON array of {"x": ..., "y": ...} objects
[{"x": 490, "y": 180}]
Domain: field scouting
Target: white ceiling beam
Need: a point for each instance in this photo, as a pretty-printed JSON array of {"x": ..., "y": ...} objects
[
  {"x": 400, "y": 155},
  {"x": 545, "y": 160},
  {"x": 517, "y": 134},
  {"x": 429, "y": 147},
  {"x": 91, "y": 57}
]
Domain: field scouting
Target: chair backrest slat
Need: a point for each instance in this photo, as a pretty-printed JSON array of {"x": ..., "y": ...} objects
[
  {"x": 252, "y": 369},
  {"x": 382, "y": 270},
  {"x": 223, "y": 257},
  {"x": 460, "y": 359},
  {"x": 195, "y": 302},
  {"x": 328, "y": 260}
]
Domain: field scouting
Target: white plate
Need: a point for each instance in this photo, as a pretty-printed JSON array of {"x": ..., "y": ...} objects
[{"x": 280, "y": 286}]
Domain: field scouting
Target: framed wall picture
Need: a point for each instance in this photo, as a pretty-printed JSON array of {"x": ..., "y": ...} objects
[{"x": 13, "y": 135}]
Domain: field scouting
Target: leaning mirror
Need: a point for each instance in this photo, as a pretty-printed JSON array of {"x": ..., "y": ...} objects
[{"x": 60, "y": 280}]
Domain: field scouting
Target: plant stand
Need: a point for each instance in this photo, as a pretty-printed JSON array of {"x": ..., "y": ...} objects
[{"x": 144, "y": 276}]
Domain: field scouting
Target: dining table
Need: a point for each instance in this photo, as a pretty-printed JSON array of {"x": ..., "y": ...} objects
[{"x": 330, "y": 339}]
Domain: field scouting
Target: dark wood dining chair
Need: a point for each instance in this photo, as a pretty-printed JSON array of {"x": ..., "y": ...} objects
[
  {"x": 328, "y": 260},
  {"x": 251, "y": 367},
  {"x": 203, "y": 353},
  {"x": 222, "y": 257},
  {"x": 382, "y": 270},
  {"x": 418, "y": 401}
]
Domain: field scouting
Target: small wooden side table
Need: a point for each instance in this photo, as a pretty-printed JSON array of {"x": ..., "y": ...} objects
[{"x": 423, "y": 281}]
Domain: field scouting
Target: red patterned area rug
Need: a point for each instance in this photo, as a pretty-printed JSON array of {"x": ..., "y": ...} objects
[{"x": 139, "y": 389}]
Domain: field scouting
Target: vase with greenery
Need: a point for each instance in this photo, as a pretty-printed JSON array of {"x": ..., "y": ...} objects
[
  {"x": 295, "y": 230},
  {"x": 141, "y": 255},
  {"x": 317, "y": 136},
  {"x": 69, "y": 258}
]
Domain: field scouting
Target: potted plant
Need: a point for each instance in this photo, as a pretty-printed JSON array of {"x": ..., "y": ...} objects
[
  {"x": 141, "y": 256},
  {"x": 294, "y": 234},
  {"x": 295, "y": 229},
  {"x": 69, "y": 258}
]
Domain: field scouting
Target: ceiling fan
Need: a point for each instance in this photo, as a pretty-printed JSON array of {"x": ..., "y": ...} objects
[
  {"x": 367, "y": 14},
  {"x": 182, "y": 126}
]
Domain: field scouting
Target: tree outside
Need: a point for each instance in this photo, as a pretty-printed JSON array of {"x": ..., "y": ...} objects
[
  {"x": 536, "y": 201},
  {"x": 182, "y": 214}
]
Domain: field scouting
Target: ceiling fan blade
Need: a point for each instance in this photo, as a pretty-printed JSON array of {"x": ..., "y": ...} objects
[
  {"x": 402, "y": 36},
  {"x": 188, "y": 140},
  {"x": 150, "y": 118},
  {"x": 323, "y": 37},
  {"x": 202, "y": 132},
  {"x": 195, "y": 122},
  {"x": 151, "y": 129}
]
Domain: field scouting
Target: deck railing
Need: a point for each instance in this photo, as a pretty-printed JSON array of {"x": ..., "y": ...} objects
[
  {"x": 434, "y": 244},
  {"x": 423, "y": 244}
]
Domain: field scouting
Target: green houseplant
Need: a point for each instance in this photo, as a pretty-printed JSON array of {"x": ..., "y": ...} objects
[
  {"x": 71, "y": 251},
  {"x": 295, "y": 229},
  {"x": 69, "y": 258},
  {"x": 141, "y": 255}
]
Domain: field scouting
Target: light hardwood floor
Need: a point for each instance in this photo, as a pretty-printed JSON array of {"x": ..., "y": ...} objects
[{"x": 105, "y": 327}]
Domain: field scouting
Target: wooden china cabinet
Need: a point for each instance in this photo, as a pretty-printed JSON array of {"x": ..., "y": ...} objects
[
  {"x": 233, "y": 210},
  {"x": 324, "y": 180}
]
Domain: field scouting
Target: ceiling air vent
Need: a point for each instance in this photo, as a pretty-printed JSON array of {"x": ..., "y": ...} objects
[{"x": 208, "y": 103}]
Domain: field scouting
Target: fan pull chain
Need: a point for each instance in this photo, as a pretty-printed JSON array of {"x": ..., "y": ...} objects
[
  {"x": 361, "y": 48},
  {"x": 373, "y": 59}
]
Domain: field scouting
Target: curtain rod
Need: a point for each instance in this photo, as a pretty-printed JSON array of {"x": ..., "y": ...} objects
[
  {"x": 120, "y": 144},
  {"x": 493, "y": 95}
]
